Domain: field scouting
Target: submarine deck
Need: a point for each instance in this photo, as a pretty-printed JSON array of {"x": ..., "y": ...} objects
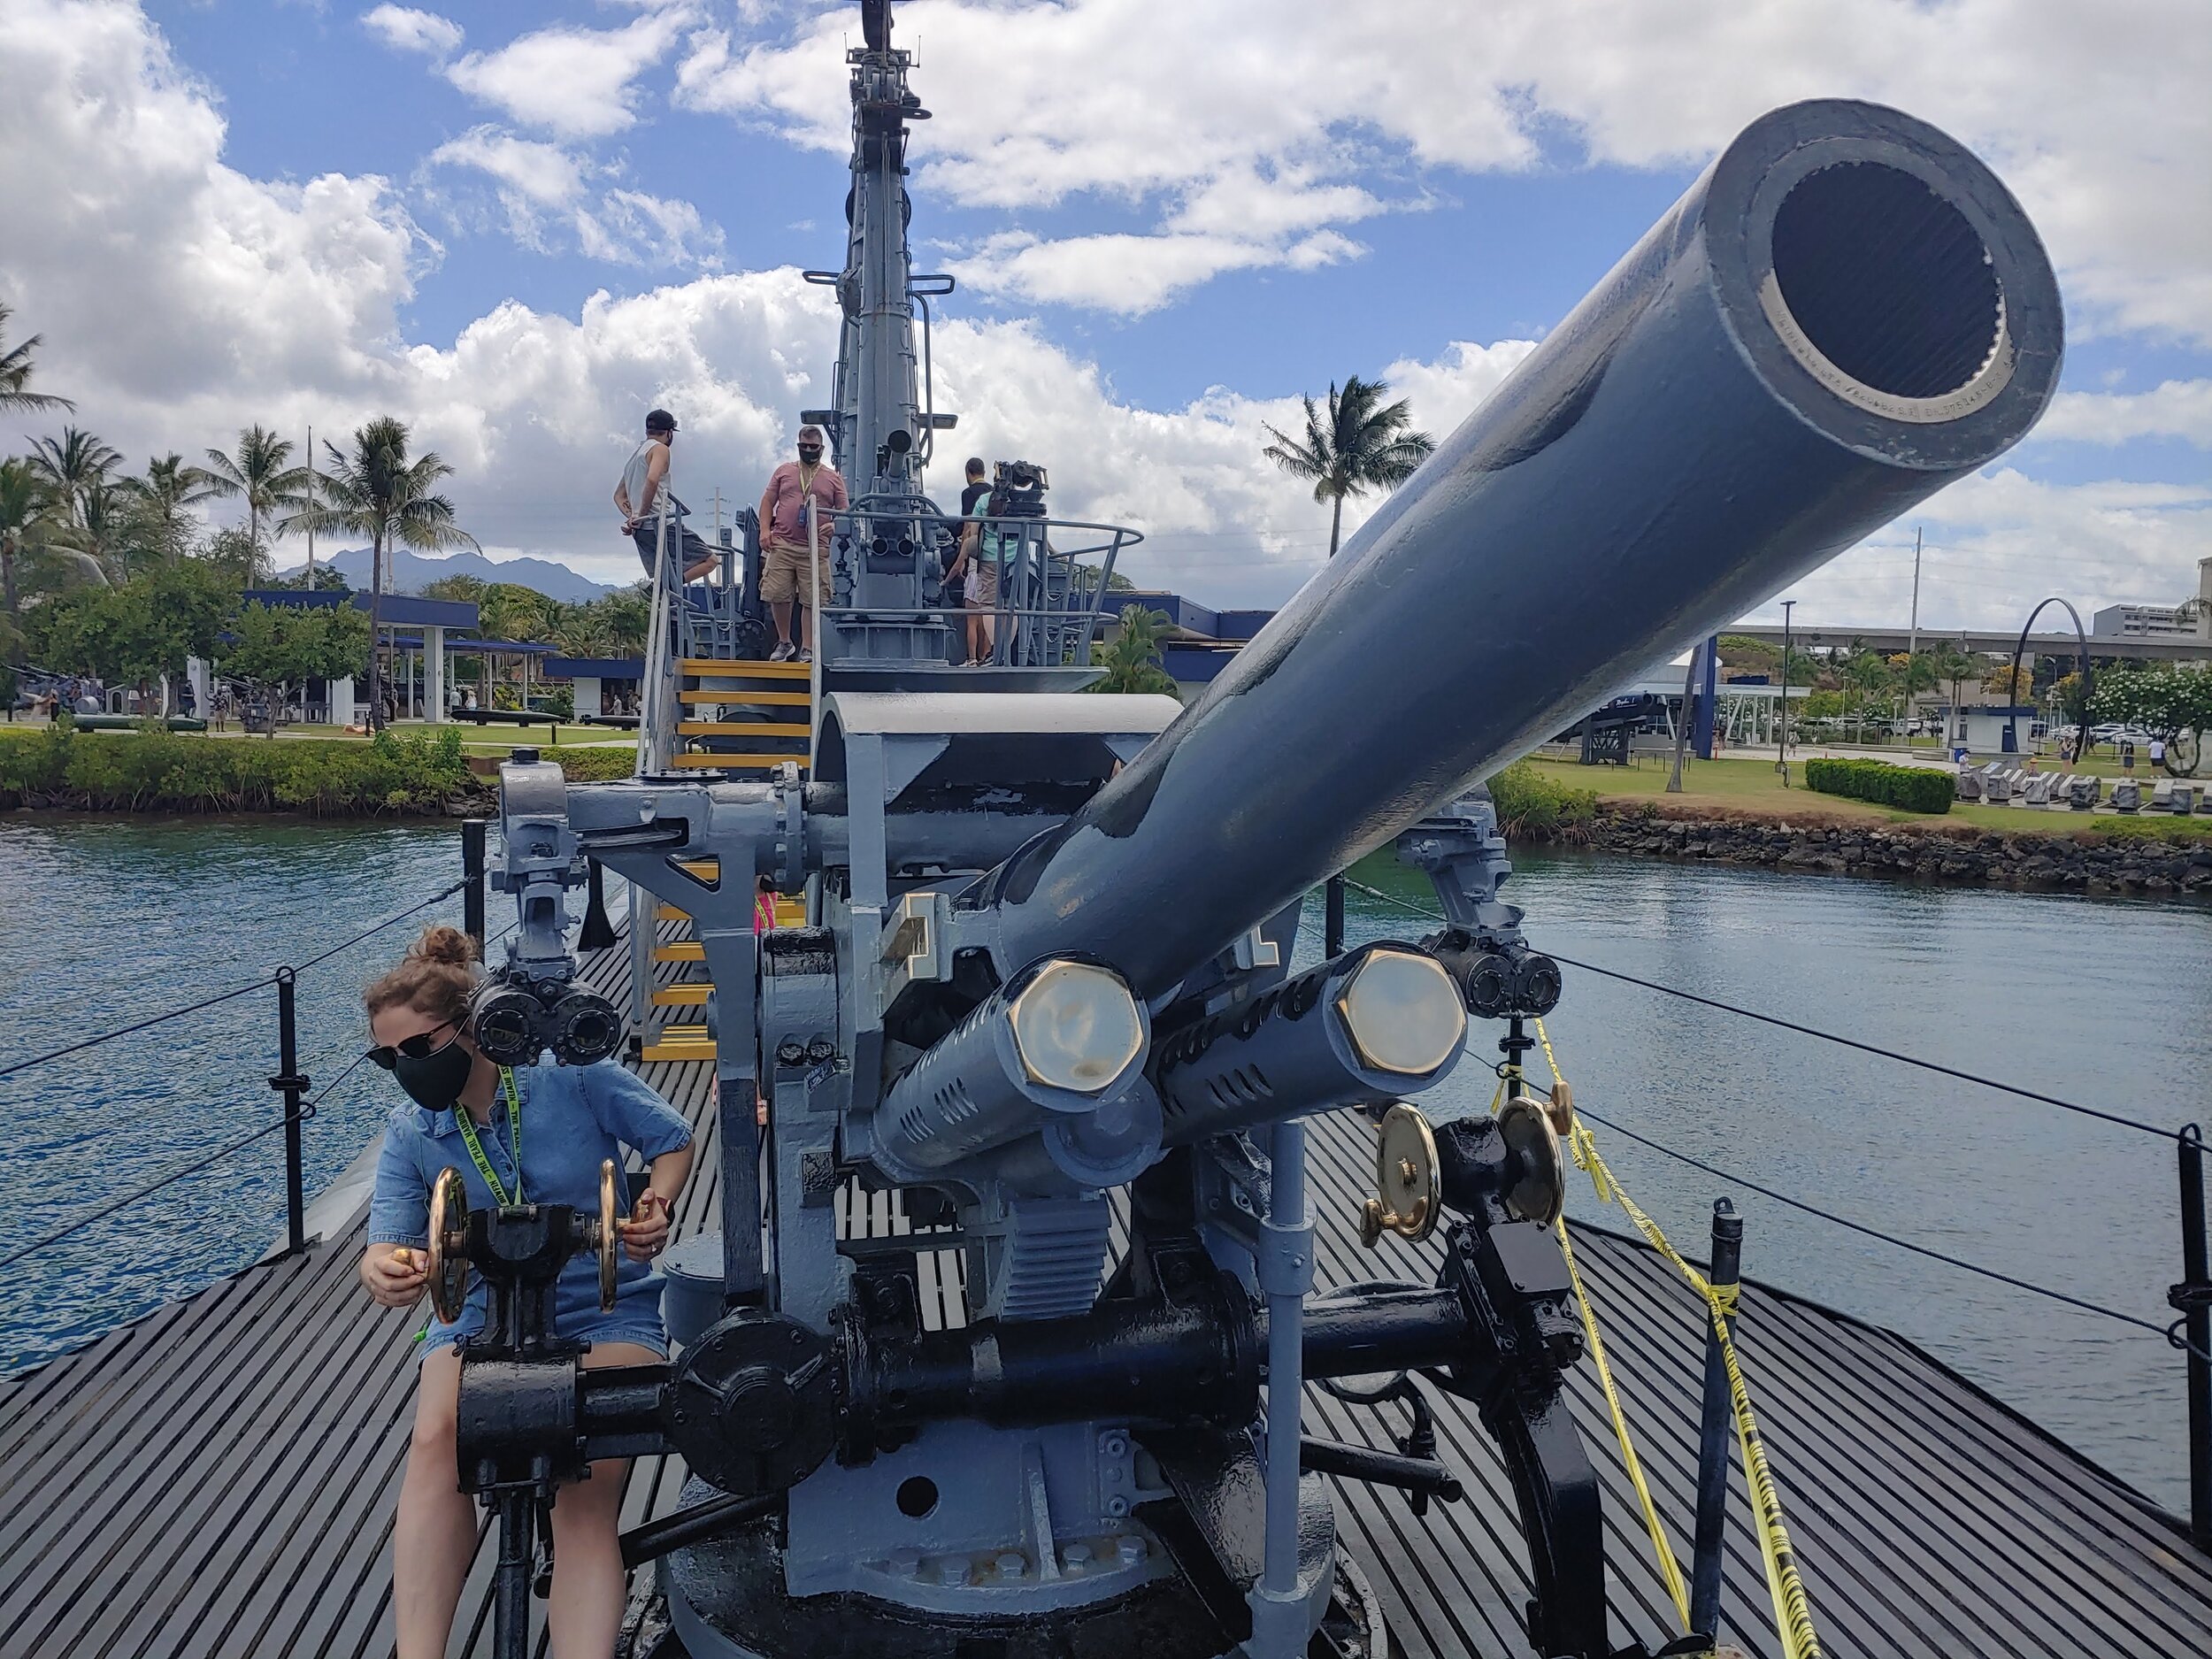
[{"x": 218, "y": 1478}]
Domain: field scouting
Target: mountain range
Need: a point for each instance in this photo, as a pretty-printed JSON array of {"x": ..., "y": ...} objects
[{"x": 408, "y": 572}]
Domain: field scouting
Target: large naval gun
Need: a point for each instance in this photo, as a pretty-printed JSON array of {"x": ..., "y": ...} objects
[{"x": 1042, "y": 991}]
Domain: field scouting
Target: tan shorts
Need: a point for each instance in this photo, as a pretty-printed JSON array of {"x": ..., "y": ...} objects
[
  {"x": 982, "y": 586},
  {"x": 783, "y": 574}
]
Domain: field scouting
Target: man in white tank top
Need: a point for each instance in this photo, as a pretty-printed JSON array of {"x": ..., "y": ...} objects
[{"x": 638, "y": 497}]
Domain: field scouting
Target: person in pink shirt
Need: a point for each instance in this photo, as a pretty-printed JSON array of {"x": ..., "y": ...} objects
[{"x": 795, "y": 514}]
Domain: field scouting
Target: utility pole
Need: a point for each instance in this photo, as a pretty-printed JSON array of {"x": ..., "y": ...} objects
[
  {"x": 1782, "y": 742},
  {"x": 310, "y": 501},
  {"x": 1912, "y": 646}
]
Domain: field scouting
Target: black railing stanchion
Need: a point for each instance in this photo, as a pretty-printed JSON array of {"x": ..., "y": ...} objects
[
  {"x": 2193, "y": 1298},
  {"x": 1332, "y": 918},
  {"x": 473, "y": 873},
  {"x": 291, "y": 1083},
  {"x": 1713, "y": 1434}
]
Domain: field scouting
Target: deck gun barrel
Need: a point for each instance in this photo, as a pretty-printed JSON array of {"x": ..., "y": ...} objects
[{"x": 1847, "y": 311}]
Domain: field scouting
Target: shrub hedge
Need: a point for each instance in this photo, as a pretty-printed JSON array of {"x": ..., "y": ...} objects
[
  {"x": 1532, "y": 807},
  {"x": 175, "y": 771},
  {"x": 1915, "y": 789}
]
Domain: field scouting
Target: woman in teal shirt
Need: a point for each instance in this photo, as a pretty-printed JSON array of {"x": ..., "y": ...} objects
[{"x": 536, "y": 1135}]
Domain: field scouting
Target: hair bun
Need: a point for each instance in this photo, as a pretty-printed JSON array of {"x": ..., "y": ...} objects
[{"x": 442, "y": 943}]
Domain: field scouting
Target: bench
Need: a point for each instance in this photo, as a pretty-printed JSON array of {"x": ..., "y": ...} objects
[
  {"x": 2183, "y": 800},
  {"x": 2127, "y": 796},
  {"x": 2038, "y": 791},
  {"x": 506, "y": 716},
  {"x": 1967, "y": 785},
  {"x": 2082, "y": 793}
]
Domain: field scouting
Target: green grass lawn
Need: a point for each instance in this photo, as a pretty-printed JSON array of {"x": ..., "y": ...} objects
[{"x": 1740, "y": 786}]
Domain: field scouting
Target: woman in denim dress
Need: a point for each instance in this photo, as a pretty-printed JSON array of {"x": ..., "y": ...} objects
[{"x": 567, "y": 1119}]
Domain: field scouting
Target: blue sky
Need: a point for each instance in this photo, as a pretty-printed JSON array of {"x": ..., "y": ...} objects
[{"x": 1168, "y": 217}]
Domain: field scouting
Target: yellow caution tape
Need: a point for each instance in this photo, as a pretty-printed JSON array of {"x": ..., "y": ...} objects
[
  {"x": 1793, "y": 1614},
  {"x": 1670, "y": 1568}
]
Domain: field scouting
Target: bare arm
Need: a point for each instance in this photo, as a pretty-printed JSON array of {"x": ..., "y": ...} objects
[
  {"x": 767, "y": 503},
  {"x": 646, "y": 1232},
  {"x": 655, "y": 470}
]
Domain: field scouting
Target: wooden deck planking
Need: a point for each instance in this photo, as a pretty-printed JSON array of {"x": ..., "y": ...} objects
[{"x": 168, "y": 1491}]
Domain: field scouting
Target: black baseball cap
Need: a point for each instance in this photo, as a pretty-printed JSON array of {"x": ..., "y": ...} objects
[{"x": 659, "y": 420}]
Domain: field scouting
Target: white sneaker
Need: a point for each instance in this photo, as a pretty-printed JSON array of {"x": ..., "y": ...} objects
[
  {"x": 806, "y": 655},
  {"x": 782, "y": 653}
]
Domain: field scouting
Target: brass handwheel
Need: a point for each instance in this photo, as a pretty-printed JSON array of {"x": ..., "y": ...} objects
[
  {"x": 447, "y": 1253},
  {"x": 608, "y": 1235}
]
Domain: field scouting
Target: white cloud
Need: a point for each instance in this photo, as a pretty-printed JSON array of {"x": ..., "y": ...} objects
[
  {"x": 1127, "y": 273},
  {"x": 405, "y": 29},
  {"x": 181, "y": 299},
  {"x": 543, "y": 193},
  {"x": 2096, "y": 115},
  {"x": 574, "y": 82},
  {"x": 2175, "y": 409}
]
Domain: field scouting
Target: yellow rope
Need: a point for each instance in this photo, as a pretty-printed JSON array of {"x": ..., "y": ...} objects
[
  {"x": 1793, "y": 1614},
  {"x": 1670, "y": 1568}
]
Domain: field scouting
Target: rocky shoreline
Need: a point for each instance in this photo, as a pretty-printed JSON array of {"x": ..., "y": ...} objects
[{"x": 2079, "y": 861}]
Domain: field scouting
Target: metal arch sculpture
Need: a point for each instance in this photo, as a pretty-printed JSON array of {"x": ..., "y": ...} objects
[{"x": 2012, "y": 684}]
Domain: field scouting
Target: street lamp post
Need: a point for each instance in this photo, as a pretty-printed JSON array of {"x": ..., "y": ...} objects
[{"x": 1782, "y": 743}]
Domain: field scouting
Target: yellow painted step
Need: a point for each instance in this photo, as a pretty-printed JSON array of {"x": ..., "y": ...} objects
[
  {"x": 730, "y": 668},
  {"x": 678, "y": 1051},
  {"x": 736, "y": 762},
  {"x": 682, "y": 950},
  {"x": 742, "y": 728},
  {"x": 789, "y": 912},
  {"x": 691, "y": 995},
  {"x": 745, "y": 696}
]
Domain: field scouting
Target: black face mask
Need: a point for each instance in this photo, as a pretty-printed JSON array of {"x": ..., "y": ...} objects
[
  {"x": 809, "y": 452},
  {"x": 436, "y": 1081}
]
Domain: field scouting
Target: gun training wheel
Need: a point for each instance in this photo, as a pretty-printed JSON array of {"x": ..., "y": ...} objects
[
  {"x": 1405, "y": 1180},
  {"x": 1539, "y": 1192},
  {"x": 446, "y": 1256},
  {"x": 608, "y": 1235}
]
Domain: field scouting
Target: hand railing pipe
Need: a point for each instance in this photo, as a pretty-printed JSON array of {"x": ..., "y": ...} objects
[
  {"x": 2196, "y": 1321},
  {"x": 1285, "y": 1272},
  {"x": 1713, "y": 1436},
  {"x": 289, "y": 1082},
  {"x": 472, "y": 867},
  {"x": 1333, "y": 918}
]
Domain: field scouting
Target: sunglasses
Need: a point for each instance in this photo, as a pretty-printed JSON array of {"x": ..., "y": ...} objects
[{"x": 419, "y": 1047}]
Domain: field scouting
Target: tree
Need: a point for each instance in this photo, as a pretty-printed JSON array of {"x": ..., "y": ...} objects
[
  {"x": 1365, "y": 444},
  {"x": 1866, "y": 675},
  {"x": 467, "y": 590},
  {"x": 2073, "y": 702},
  {"x": 2015, "y": 686},
  {"x": 279, "y": 646},
  {"x": 24, "y": 508},
  {"x": 1132, "y": 657},
  {"x": 73, "y": 464},
  {"x": 378, "y": 492},
  {"x": 15, "y": 374},
  {"x": 2172, "y": 701},
  {"x": 1953, "y": 665},
  {"x": 259, "y": 476},
  {"x": 136, "y": 631},
  {"x": 167, "y": 489}
]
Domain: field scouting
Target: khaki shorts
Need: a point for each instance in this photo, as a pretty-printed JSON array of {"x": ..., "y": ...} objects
[
  {"x": 982, "y": 585},
  {"x": 783, "y": 574}
]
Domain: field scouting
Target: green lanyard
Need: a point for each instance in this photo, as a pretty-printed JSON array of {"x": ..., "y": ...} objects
[{"x": 514, "y": 1135}]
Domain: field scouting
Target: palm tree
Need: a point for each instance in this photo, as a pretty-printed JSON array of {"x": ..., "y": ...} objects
[
  {"x": 1865, "y": 674},
  {"x": 376, "y": 491},
  {"x": 74, "y": 464},
  {"x": 1365, "y": 444},
  {"x": 15, "y": 374},
  {"x": 1954, "y": 665},
  {"x": 23, "y": 503},
  {"x": 629, "y": 618},
  {"x": 167, "y": 489},
  {"x": 258, "y": 473}
]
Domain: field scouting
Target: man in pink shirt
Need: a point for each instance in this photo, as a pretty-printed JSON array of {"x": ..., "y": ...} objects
[{"x": 795, "y": 513}]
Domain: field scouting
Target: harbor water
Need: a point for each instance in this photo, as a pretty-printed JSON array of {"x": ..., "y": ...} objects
[{"x": 2106, "y": 1002}]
